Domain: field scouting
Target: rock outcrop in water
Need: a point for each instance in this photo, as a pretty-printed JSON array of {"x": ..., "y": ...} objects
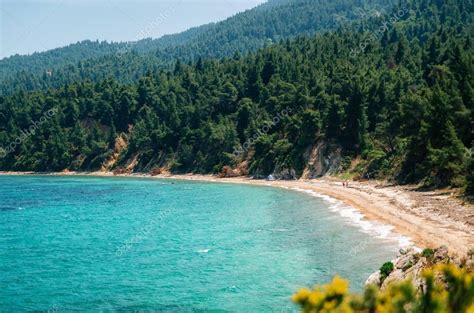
[{"x": 410, "y": 263}]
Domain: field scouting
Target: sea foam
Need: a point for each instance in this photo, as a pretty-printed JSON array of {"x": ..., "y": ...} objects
[{"x": 355, "y": 217}]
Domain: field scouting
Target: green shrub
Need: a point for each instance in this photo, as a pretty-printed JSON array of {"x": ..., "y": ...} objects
[
  {"x": 386, "y": 269},
  {"x": 427, "y": 253}
]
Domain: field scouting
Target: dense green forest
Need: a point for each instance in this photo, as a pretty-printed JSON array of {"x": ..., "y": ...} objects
[
  {"x": 127, "y": 62},
  {"x": 393, "y": 91}
]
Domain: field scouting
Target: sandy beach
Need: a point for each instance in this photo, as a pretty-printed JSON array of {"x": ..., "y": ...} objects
[{"x": 427, "y": 218}]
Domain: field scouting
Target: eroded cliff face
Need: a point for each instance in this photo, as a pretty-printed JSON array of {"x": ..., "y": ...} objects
[
  {"x": 409, "y": 265},
  {"x": 121, "y": 143},
  {"x": 322, "y": 159}
]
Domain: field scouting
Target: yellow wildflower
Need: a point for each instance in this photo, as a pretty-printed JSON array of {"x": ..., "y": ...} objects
[
  {"x": 467, "y": 281},
  {"x": 470, "y": 309},
  {"x": 315, "y": 297},
  {"x": 301, "y": 296},
  {"x": 338, "y": 286}
]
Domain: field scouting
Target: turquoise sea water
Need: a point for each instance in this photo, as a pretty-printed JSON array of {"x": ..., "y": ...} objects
[{"x": 123, "y": 244}]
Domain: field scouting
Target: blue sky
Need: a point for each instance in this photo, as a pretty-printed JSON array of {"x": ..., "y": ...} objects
[{"x": 27, "y": 26}]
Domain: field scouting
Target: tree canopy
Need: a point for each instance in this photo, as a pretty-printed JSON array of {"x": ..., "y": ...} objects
[{"x": 403, "y": 103}]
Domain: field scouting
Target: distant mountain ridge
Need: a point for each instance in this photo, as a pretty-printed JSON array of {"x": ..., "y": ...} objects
[{"x": 244, "y": 32}]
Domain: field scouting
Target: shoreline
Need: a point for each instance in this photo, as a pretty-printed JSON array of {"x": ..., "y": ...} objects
[{"x": 427, "y": 219}]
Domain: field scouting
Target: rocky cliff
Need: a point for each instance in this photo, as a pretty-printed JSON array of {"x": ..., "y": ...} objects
[{"x": 410, "y": 263}]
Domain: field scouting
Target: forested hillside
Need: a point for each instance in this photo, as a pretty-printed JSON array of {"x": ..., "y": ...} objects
[
  {"x": 394, "y": 92},
  {"x": 126, "y": 62}
]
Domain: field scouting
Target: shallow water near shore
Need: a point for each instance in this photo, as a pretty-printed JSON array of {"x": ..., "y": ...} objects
[{"x": 84, "y": 243}]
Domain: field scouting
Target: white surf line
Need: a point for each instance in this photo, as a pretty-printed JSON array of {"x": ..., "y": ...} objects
[
  {"x": 349, "y": 213},
  {"x": 355, "y": 217}
]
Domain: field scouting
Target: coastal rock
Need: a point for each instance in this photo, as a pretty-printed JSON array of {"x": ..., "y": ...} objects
[
  {"x": 408, "y": 250},
  {"x": 285, "y": 174},
  {"x": 403, "y": 251},
  {"x": 374, "y": 279},
  {"x": 227, "y": 171},
  {"x": 405, "y": 261},
  {"x": 121, "y": 143},
  {"x": 156, "y": 171},
  {"x": 470, "y": 260},
  {"x": 470, "y": 265},
  {"x": 121, "y": 171},
  {"x": 241, "y": 170},
  {"x": 395, "y": 276},
  {"x": 322, "y": 159},
  {"x": 441, "y": 255},
  {"x": 411, "y": 263},
  {"x": 414, "y": 273}
]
